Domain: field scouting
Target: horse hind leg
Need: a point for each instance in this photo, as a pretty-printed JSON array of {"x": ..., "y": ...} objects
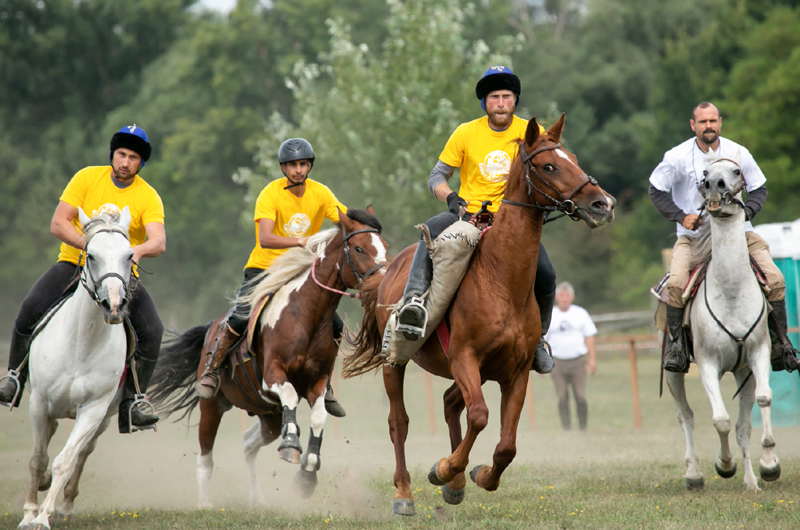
[
  {"x": 66, "y": 508},
  {"x": 693, "y": 477},
  {"x": 211, "y": 412},
  {"x": 769, "y": 464},
  {"x": 393, "y": 378},
  {"x": 453, "y": 491},
  {"x": 743, "y": 426},
  {"x": 40, "y": 476},
  {"x": 260, "y": 434},
  {"x": 305, "y": 481}
]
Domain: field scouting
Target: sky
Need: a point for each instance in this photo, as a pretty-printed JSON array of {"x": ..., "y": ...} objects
[{"x": 222, "y": 6}]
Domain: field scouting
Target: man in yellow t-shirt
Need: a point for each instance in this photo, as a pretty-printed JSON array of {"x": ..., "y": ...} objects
[
  {"x": 288, "y": 211},
  {"x": 96, "y": 189},
  {"x": 483, "y": 149}
]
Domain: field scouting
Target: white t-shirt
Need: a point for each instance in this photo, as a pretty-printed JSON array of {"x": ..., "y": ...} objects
[
  {"x": 568, "y": 329},
  {"x": 681, "y": 171}
]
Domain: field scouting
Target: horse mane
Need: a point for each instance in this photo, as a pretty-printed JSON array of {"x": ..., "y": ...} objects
[
  {"x": 366, "y": 345},
  {"x": 286, "y": 267},
  {"x": 701, "y": 246},
  {"x": 102, "y": 222},
  {"x": 361, "y": 216}
]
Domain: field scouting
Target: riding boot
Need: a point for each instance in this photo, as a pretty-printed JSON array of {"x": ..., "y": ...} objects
[
  {"x": 784, "y": 356},
  {"x": 130, "y": 399},
  {"x": 413, "y": 316},
  {"x": 332, "y": 405},
  {"x": 11, "y": 391},
  {"x": 563, "y": 412},
  {"x": 583, "y": 414},
  {"x": 674, "y": 357},
  {"x": 208, "y": 384},
  {"x": 542, "y": 358}
]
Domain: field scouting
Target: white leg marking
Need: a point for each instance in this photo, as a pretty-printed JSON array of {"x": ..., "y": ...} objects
[
  {"x": 289, "y": 399},
  {"x": 253, "y": 441},
  {"x": 205, "y": 466},
  {"x": 318, "y": 415}
]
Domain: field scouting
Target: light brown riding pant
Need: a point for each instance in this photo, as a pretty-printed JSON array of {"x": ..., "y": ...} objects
[
  {"x": 679, "y": 269},
  {"x": 571, "y": 372}
]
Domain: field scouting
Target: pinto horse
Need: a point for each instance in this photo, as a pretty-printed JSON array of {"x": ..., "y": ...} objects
[
  {"x": 295, "y": 351},
  {"x": 494, "y": 316}
]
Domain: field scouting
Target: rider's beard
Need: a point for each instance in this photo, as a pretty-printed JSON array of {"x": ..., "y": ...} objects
[
  {"x": 707, "y": 138},
  {"x": 500, "y": 120}
]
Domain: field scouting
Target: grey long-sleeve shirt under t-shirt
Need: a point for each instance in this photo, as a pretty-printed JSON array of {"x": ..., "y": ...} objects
[
  {"x": 440, "y": 173},
  {"x": 667, "y": 207}
]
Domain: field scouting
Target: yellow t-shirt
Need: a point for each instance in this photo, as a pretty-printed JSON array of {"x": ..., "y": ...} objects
[
  {"x": 484, "y": 156},
  {"x": 93, "y": 190},
  {"x": 294, "y": 216}
]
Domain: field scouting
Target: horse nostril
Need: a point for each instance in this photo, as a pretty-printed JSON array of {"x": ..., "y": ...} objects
[
  {"x": 720, "y": 184},
  {"x": 599, "y": 206},
  {"x": 106, "y": 305},
  {"x": 706, "y": 185}
]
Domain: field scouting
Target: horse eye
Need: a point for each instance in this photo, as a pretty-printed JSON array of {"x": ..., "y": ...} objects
[
  {"x": 549, "y": 167},
  {"x": 737, "y": 172},
  {"x": 705, "y": 173},
  {"x": 359, "y": 250}
]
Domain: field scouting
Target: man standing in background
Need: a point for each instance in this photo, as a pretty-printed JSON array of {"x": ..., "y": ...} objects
[{"x": 571, "y": 338}]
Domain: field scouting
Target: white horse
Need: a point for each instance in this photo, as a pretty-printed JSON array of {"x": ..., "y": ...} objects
[
  {"x": 76, "y": 363},
  {"x": 729, "y": 330}
]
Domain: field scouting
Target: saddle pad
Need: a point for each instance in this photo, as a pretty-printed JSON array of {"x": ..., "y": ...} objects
[{"x": 451, "y": 253}]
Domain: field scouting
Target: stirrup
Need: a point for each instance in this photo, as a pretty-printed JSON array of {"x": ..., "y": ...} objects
[
  {"x": 408, "y": 329},
  {"x": 218, "y": 383},
  {"x": 13, "y": 375},
  {"x": 140, "y": 399}
]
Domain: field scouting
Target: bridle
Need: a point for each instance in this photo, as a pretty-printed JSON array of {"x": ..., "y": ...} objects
[
  {"x": 729, "y": 196},
  {"x": 88, "y": 271},
  {"x": 346, "y": 255},
  {"x": 563, "y": 203}
]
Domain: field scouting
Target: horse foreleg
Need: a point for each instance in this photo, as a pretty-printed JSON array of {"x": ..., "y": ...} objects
[
  {"x": 676, "y": 384},
  {"x": 275, "y": 381},
  {"x": 770, "y": 467},
  {"x": 66, "y": 507},
  {"x": 403, "y": 502},
  {"x": 305, "y": 481},
  {"x": 453, "y": 491},
  {"x": 40, "y": 478},
  {"x": 513, "y": 398},
  {"x": 743, "y": 427},
  {"x": 86, "y": 425},
  {"x": 725, "y": 463},
  {"x": 211, "y": 412},
  {"x": 468, "y": 378},
  {"x": 260, "y": 434}
]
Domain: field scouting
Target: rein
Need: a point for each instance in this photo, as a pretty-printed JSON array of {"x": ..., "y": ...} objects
[
  {"x": 88, "y": 270},
  {"x": 739, "y": 341},
  {"x": 346, "y": 254},
  {"x": 564, "y": 203}
]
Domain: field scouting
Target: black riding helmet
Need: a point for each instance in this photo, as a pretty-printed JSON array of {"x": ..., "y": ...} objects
[{"x": 296, "y": 149}]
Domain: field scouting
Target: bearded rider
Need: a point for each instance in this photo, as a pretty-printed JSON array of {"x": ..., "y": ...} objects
[
  {"x": 288, "y": 211},
  {"x": 96, "y": 189},
  {"x": 483, "y": 149},
  {"x": 680, "y": 174}
]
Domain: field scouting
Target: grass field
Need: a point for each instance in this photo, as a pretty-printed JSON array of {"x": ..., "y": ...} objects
[{"x": 612, "y": 476}]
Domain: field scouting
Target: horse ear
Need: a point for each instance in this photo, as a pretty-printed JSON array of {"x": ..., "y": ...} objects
[
  {"x": 125, "y": 218},
  {"x": 370, "y": 210},
  {"x": 344, "y": 220},
  {"x": 83, "y": 217},
  {"x": 711, "y": 155},
  {"x": 532, "y": 133},
  {"x": 555, "y": 130}
]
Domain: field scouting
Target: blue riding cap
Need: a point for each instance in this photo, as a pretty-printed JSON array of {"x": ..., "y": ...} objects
[
  {"x": 134, "y": 138},
  {"x": 497, "y": 78}
]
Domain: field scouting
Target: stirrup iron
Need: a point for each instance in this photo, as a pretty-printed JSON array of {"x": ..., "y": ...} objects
[
  {"x": 140, "y": 399},
  {"x": 13, "y": 375},
  {"x": 407, "y": 328}
]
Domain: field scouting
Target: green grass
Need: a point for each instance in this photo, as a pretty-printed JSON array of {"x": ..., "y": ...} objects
[{"x": 609, "y": 477}]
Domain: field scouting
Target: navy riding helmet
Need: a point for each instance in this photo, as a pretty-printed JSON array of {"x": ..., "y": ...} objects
[
  {"x": 497, "y": 78},
  {"x": 134, "y": 138}
]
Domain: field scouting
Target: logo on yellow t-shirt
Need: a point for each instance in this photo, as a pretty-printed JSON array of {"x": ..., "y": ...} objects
[
  {"x": 495, "y": 166},
  {"x": 297, "y": 226},
  {"x": 108, "y": 208}
]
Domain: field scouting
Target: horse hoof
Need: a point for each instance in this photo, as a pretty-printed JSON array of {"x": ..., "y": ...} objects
[
  {"x": 433, "y": 476},
  {"x": 47, "y": 479},
  {"x": 403, "y": 507},
  {"x": 695, "y": 484},
  {"x": 305, "y": 482},
  {"x": 770, "y": 475},
  {"x": 474, "y": 473},
  {"x": 289, "y": 454},
  {"x": 452, "y": 496},
  {"x": 723, "y": 473}
]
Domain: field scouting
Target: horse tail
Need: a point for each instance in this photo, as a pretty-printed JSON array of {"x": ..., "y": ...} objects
[
  {"x": 172, "y": 386},
  {"x": 366, "y": 346}
]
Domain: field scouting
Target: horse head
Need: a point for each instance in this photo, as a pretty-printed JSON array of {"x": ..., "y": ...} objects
[
  {"x": 107, "y": 271},
  {"x": 547, "y": 177},
  {"x": 364, "y": 250},
  {"x": 722, "y": 184}
]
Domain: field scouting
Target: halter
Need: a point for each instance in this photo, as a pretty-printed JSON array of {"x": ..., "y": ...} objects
[
  {"x": 729, "y": 196},
  {"x": 88, "y": 271},
  {"x": 565, "y": 204},
  {"x": 346, "y": 254}
]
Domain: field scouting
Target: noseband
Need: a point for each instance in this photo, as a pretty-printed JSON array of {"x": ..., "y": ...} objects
[
  {"x": 346, "y": 254},
  {"x": 562, "y": 204},
  {"x": 88, "y": 270}
]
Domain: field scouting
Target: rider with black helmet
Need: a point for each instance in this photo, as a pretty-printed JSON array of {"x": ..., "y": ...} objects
[
  {"x": 100, "y": 188},
  {"x": 288, "y": 211}
]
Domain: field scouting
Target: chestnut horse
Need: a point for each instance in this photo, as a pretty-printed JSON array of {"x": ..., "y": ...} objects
[
  {"x": 494, "y": 316},
  {"x": 296, "y": 352}
]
